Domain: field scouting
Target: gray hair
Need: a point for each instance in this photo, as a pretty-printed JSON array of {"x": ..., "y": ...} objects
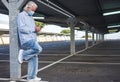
[{"x": 30, "y": 4}]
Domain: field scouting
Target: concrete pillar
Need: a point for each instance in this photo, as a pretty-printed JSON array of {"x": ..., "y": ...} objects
[
  {"x": 72, "y": 45},
  {"x": 72, "y": 37},
  {"x": 86, "y": 38},
  {"x": 15, "y": 67},
  {"x": 93, "y": 38},
  {"x": 96, "y": 37},
  {"x": 99, "y": 37},
  {"x": 72, "y": 22},
  {"x": 103, "y": 37},
  {"x": 13, "y": 7}
]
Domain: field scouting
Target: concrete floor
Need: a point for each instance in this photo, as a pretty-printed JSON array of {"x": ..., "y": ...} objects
[{"x": 100, "y": 63}]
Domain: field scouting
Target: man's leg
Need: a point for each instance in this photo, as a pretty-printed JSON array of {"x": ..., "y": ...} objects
[
  {"x": 32, "y": 67},
  {"x": 34, "y": 49},
  {"x": 30, "y": 53}
]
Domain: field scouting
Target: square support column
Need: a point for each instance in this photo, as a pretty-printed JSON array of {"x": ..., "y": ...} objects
[
  {"x": 99, "y": 37},
  {"x": 96, "y": 37},
  {"x": 13, "y": 7},
  {"x": 15, "y": 67},
  {"x": 102, "y": 37},
  {"x": 72, "y": 22},
  {"x": 72, "y": 37},
  {"x": 93, "y": 38},
  {"x": 86, "y": 38}
]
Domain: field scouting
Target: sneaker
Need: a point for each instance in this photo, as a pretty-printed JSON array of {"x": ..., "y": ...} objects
[
  {"x": 20, "y": 56},
  {"x": 36, "y": 79}
]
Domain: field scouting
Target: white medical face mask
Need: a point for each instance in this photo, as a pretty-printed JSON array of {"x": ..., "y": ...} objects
[{"x": 31, "y": 13}]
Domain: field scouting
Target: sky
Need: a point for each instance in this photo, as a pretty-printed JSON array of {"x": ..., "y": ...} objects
[
  {"x": 4, "y": 24},
  {"x": 49, "y": 28},
  {"x": 113, "y": 36},
  {"x": 4, "y": 21}
]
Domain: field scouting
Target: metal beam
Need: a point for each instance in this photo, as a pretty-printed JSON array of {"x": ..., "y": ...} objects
[
  {"x": 6, "y": 3},
  {"x": 49, "y": 2},
  {"x": 3, "y": 11},
  {"x": 111, "y": 9},
  {"x": 56, "y": 9},
  {"x": 21, "y": 3}
]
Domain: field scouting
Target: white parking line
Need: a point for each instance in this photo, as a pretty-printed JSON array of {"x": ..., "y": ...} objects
[
  {"x": 90, "y": 55},
  {"x": 86, "y": 49},
  {"x": 50, "y": 65},
  {"x": 23, "y": 80},
  {"x": 91, "y": 63},
  {"x": 70, "y": 62},
  {"x": 4, "y": 79},
  {"x": 61, "y": 60}
]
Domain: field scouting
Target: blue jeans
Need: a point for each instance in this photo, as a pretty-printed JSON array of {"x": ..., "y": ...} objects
[{"x": 30, "y": 53}]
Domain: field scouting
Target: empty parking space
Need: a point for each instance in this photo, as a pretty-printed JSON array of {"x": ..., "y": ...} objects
[{"x": 93, "y": 65}]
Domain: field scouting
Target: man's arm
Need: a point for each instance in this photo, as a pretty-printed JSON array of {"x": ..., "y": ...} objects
[{"x": 22, "y": 26}]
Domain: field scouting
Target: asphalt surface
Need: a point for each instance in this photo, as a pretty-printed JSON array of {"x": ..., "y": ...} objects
[{"x": 97, "y": 64}]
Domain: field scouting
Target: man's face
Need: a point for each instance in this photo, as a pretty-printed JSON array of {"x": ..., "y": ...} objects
[{"x": 33, "y": 8}]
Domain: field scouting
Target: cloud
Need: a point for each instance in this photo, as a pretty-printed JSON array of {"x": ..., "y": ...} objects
[
  {"x": 4, "y": 26},
  {"x": 52, "y": 29}
]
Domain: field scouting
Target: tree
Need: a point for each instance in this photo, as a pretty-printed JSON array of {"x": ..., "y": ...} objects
[
  {"x": 65, "y": 31},
  {"x": 89, "y": 36}
]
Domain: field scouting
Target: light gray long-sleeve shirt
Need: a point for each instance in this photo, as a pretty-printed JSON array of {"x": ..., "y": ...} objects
[{"x": 26, "y": 27}]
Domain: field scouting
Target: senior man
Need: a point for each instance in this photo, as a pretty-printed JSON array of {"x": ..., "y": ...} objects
[{"x": 29, "y": 47}]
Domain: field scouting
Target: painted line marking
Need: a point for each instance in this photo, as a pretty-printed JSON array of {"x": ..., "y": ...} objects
[
  {"x": 70, "y": 62},
  {"x": 54, "y": 63},
  {"x": 50, "y": 65},
  {"x": 23, "y": 80},
  {"x": 97, "y": 55},
  {"x": 4, "y": 78}
]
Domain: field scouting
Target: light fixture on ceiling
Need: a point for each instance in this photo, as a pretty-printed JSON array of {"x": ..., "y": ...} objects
[
  {"x": 111, "y": 13},
  {"x": 113, "y": 30},
  {"x": 77, "y": 28},
  {"x": 39, "y": 18},
  {"x": 113, "y": 26}
]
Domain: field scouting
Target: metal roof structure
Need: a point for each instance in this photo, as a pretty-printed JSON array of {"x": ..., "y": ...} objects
[
  {"x": 85, "y": 14},
  {"x": 89, "y": 11}
]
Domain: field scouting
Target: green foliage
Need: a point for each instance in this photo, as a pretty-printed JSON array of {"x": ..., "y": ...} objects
[
  {"x": 65, "y": 31},
  {"x": 39, "y": 24},
  {"x": 89, "y": 36}
]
